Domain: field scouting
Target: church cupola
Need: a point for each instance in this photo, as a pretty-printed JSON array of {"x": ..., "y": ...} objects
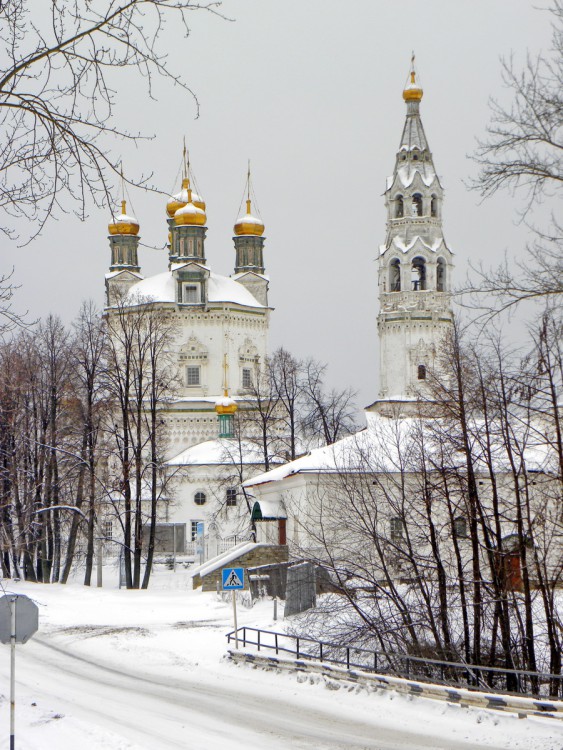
[
  {"x": 187, "y": 219},
  {"x": 124, "y": 241},
  {"x": 415, "y": 265},
  {"x": 248, "y": 239}
]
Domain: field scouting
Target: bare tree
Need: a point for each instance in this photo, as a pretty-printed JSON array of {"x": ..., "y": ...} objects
[
  {"x": 523, "y": 153},
  {"x": 62, "y": 63}
]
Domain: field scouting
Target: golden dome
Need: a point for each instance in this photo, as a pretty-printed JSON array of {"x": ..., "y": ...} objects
[
  {"x": 180, "y": 199},
  {"x": 412, "y": 92},
  {"x": 124, "y": 224},
  {"x": 225, "y": 405},
  {"x": 190, "y": 214},
  {"x": 249, "y": 224}
]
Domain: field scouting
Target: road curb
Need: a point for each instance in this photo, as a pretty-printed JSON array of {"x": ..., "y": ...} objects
[{"x": 460, "y": 696}]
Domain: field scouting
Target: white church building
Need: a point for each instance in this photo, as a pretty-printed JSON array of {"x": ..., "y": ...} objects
[{"x": 220, "y": 342}]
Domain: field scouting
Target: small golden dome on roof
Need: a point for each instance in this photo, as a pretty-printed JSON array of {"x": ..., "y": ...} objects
[
  {"x": 190, "y": 214},
  {"x": 225, "y": 405},
  {"x": 124, "y": 224},
  {"x": 181, "y": 199},
  {"x": 249, "y": 224},
  {"x": 412, "y": 92}
]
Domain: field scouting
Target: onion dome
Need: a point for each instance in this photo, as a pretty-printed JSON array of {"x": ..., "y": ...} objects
[
  {"x": 225, "y": 405},
  {"x": 190, "y": 214},
  {"x": 249, "y": 224},
  {"x": 124, "y": 224},
  {"x": 180, "y": 199},
  {"x": 412, "y": 92}
]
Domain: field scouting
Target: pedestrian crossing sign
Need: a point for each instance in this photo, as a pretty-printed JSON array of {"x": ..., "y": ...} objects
[{"x": 233, "y": 579}]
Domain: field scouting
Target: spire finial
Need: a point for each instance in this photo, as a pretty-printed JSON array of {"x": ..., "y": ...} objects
[
  {"x": 248, "y": 189},
  {"x": 123, "y": 202},
  {"x": 412, "y": 91}
]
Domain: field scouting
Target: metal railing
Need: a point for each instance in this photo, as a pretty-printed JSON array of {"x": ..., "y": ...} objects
[{"x": 458, "y": 674}]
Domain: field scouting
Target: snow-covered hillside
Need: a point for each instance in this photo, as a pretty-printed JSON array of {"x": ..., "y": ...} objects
[{"x": 126, "y": 670}]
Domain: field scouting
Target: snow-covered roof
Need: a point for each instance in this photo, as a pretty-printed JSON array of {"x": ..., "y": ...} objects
[
  {"x": 111, "y": 274},
  {"x": 225, "y": 558},
  {"x": 398, "y": 244},
  {"x": 392, "y": 445},
  {"x": 270, "y": 509},
  {"x": 220, "y": 452},
  {"x": 162, "y": 288}
]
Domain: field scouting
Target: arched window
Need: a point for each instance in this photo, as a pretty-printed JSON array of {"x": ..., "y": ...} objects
[
  {"x": 422, "y": 372},
  {"x": 441, "y": 275},
  {"x": 395, "y": 275},
  {"x": 418, "y": 274},
  {"x": 399, "y": 207},
  {"x": 417, "y": 204},
  {"x": 433, "y": 205},
  {"x": 200, "y": 498}
]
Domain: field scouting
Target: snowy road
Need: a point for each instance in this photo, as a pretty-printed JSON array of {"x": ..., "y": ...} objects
[
  {"x": 200, "y": 711},
  {"x": 145, "y": 670}
]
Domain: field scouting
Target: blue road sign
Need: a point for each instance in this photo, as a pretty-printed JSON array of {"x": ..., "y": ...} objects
[{"x": 233, "y": 579}]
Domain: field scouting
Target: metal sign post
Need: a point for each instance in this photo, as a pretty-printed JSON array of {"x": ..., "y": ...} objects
[
  {"x": 233, "y": 580},
  {"x": 19, "y": 620},
  {"x": 13, "y": 600}
]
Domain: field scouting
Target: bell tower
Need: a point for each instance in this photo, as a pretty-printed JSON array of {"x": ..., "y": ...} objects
[{"x": 415, "y": 270}]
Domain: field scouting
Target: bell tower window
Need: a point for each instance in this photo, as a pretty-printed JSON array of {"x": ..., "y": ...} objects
[
  {"x": 417, "y": 204},
  {"x": 399, "y": 207},
  {"x": 418, "y": 274},
  {"x": 433, "y": 206},
  {"x": 395, "y": 275},
  {"x": 421, "y": 372},
  {"x": 441, "y": 275}
]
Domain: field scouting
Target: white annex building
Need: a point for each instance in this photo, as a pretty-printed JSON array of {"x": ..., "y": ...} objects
[{"x": 221, "y": 324}]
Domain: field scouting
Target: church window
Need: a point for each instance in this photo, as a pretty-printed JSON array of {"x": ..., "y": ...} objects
[
  {"x": 191, "y": 294},
  {"x": 231, "y": 497},
  {"x": 418, "y": 274},
  {"x": 399, "y": 207},
  {"x": 246, "y": 377},
  {"x": 107, "y": 530},
  {"x": 433, "y": 206},
  {"x": 200, "y": 498},
  {"x": 190, "y": 247},
  {"x": 199, "y": 251},
  {"x": 421, "y": 372},
  {"x": 441, "y": 275},
  {"x": 417, "y": 204},
  {"x": 193, "y": 530},
  {"x": 396, "y": 528},
  {"x": 415, "y": 157},
  {"x": 193, "y": 375},
  {"x": 460, "y": 527},
  {"x": 395, "y": 275}
]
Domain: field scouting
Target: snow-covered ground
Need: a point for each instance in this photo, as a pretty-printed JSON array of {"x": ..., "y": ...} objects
[{"x": 126, "y": 670}]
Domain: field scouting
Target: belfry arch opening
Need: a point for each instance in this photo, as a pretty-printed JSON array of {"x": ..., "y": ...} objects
[
  {"x": 417, "y": 204},
  {"x": 395, "y": 275},
  {"x": 399, "y": 207},
  {"x": 433, "y": 205},
  {"x": 418, "y": 274},
  {"x": 441, "y": 275}
]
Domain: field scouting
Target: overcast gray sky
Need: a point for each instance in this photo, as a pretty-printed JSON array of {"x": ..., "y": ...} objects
[{"x": 311, "y": 92}]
